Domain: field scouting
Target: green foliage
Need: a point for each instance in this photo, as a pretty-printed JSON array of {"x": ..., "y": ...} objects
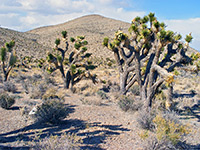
[
  {"x": 133, "y": 28},
  {"x": 73, "y": 68},
  {"x": 162, "y": 25},
  {"x": 195, "y": 56},
  {"x": 57, "y": 41},
  {"x": 177, "y": 37},
  {"x": 64, "y": 34},
  {"x": 50, "y": 69},
  {"x": 84, "y": 49},
  {"x": 72, "y": 39},
  {"x": 146, "y": 33},
  {"x": 3, "y": 54},
  {"x": 176, "y": 73},
  {"x": 59, "y": 58},
  {"x": 156, "y": 24},
  {"x": 8, "y": 58},
  {"x": 10, "y": 45},
  {"x": 6, "y": 101},
  {"x": 169, "y": 129},
  {"x": 49, "y": 57},
  {"x": 137, "y": 19},
  {"x": 145, "y": 19},
  {"x": 77, "y": 45},
  {"x": 152, "y": 16},
  {"x": 105, "y": 41},
  {"x": 13, "y": 59},
  {"x": 188, "y": 38},
  {"x": 87, "y": 55},
  {"x": 85, "y": 42}
]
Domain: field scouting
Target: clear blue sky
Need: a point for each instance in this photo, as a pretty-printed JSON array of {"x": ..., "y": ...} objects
[
  {"x": 169, "y": 9},
  {"x": 182, "y": 16}
]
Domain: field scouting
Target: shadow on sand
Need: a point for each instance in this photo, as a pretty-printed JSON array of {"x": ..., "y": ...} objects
[{"x": 90, "y": 139}]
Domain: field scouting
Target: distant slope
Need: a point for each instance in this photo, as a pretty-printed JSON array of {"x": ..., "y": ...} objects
[
  {"x": 94, "y": 27},
  {"x": 38, "y": 41},
  {"x": 26, "y": 43}
]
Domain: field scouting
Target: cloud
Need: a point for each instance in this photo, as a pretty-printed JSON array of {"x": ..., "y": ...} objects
[
  {"x": 24, "y": 15},
  {"x": 35, "y": 13},
  {"x": 185, "y": 27}
]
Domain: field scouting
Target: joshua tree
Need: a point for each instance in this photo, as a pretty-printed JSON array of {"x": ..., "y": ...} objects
[
  {"x": 78, "y": 62},
  {"x": 8, "y": 59},
  {"x": 148, "y": 56}
]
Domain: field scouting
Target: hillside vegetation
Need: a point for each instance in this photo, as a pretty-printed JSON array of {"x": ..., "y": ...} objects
[{"x": 87, "y": 86}]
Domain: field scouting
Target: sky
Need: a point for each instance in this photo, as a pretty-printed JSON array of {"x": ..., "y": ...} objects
[{"x": 181, "y": 16}]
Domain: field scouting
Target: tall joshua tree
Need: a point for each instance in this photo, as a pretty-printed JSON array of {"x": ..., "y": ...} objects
[
  {"x": 78, "y": 62},
  {"x": 148, "y": 56},
  {"x": 8, "y": 59}
]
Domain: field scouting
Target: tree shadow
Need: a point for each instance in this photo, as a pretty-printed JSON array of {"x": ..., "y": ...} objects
[
  {"x": 191, "y": 112},
  {"x": 185, "y": 146},
  {"x": 187, "y": 95},
  {"x": 92, "y": 134},
  {"x": 14, "y": 108}
]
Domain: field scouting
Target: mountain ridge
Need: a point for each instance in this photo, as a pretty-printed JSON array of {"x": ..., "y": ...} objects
[{"x": 37, "y": 42}]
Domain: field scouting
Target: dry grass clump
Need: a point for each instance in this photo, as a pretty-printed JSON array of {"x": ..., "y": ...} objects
[
  {"x": 129, "y": 103},
  {"x": 167, "y": 133},
  {"x": 50, "y": 111},
  {"x": 6, "y": 101},
  {"x": 63, "y": 142},
  {"x": 145, "y": 119},
  {"x": 9, "y": 87}
]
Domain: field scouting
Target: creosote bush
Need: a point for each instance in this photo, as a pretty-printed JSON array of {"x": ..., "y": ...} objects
[
  {"x": 145, "y": 119},
  {"x": 6, "y": 101},
  {"x": 169, "y": 129},
  {"x": 152, "y": 143},
  {"x": 50, "y": 111},
  {"x": 9, "y": 87},
  {"x": 129, "y": 104}
]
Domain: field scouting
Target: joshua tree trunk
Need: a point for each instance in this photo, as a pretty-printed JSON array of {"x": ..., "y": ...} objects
[{"x": 146, "y": 57}]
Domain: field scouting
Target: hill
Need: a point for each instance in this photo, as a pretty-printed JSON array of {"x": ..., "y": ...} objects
[
  {"x": 37, "y": 41},
  {"x": 94, "y": 27},
  {"x": 26, "y": 43}
]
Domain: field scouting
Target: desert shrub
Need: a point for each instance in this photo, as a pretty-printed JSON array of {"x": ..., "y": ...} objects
[
  {"x": 50, "y": 94},
  {"x": 169, "y": 129},
  {"x": 9, "y": 87},
  {"x": 145, "y": 119},
  {"x": 50, "y": 111},
  {"x": 102, "y": 94},
  {"x": 171, "y": 116},
  {"x": 38, "y": 91},
  {"x": 48, "y": 80},
  {"x": 135, "y": 90},
  {"x": 152, "y": 143},
  {"x": 129, "y": 104},
  {"x": 6, "y": 101},
  {"x": 64, "y": 142},
  {"x": 25, "y": 86}
]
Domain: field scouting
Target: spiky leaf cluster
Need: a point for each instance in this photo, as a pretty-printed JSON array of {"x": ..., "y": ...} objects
[
  {"x": 119, "y": 38},
  {"x": 8, "y": 58},
  {"x": 79, "y": 42},
  {"x": 149, "y": 41},
  {"x": 188, "y": 38},
  {"x": 57, "y": 41},
  {"x": 77, "y": 62}
]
